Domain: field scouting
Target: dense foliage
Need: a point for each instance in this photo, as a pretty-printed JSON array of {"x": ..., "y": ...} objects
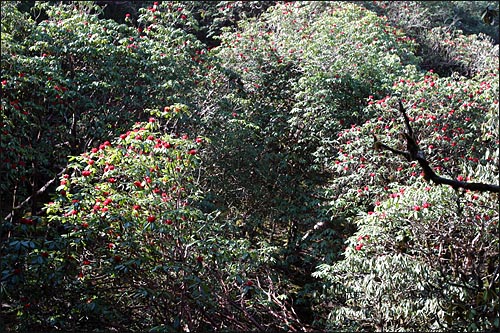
[
  {"x": 207, "y": 166},
  {"x": 406, "y": 244}
]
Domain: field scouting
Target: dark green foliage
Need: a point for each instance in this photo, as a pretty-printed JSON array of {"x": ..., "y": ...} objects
[{"x": 203, "y": 165}]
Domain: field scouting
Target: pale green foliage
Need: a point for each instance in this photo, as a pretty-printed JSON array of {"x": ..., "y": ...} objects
[
  {"x": 469, "y": 55},
  {"x": 415, "y": 266},
  {"x": 384, "y": 296},
  {"x": 435, "y": 24},
  {"x": 424, "y": 257}
]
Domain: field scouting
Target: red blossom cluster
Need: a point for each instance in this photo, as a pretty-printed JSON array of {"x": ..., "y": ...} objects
[{"x": 360, "y": 244}]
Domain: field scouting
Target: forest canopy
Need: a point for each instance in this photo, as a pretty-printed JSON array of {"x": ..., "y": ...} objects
[{"x": 249, "y": 166}]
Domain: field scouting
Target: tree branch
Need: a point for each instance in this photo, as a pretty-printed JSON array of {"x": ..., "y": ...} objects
[
  {"x": 34, "y": 195},
  {"x": 248, "y": 316},
  {"x": 414, "y": 153}
]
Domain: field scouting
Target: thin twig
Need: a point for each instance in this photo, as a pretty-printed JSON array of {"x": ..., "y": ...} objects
[{"x": 34, "y": 195}]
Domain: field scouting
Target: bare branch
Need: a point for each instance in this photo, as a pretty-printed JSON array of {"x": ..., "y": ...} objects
[
  {"x": 379, "y": 145},
  {"x": 34, "y": 195},
  {"x": 248, "y": 316},
  {"x": 409, "y": 130},
  {"x": 414, "y": 153}
]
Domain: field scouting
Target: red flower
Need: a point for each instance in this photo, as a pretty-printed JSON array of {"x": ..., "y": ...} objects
[
  {"x": 416, "y": 208},
  {"x": 151, "y": 218},
  {"x": 426, "y": 205},
  {"x": 358, "y": 247},
  {"x": 192, "y": 152},
  {"x": 138, "y": 184},
  {"x": 86, "y": 173}
]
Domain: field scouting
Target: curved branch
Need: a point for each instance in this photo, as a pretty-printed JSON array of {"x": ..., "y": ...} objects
[{"x": 415, "y": 154}]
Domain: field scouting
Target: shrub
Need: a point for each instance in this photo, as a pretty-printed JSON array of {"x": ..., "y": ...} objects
[
  {"x": 441, "y": 29},
  {"x": 123, "y": 246},
  {"x": 72, "y": 80},
  {"x": 291, "y": 79},
  {"x": 404, "y": 268}
]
